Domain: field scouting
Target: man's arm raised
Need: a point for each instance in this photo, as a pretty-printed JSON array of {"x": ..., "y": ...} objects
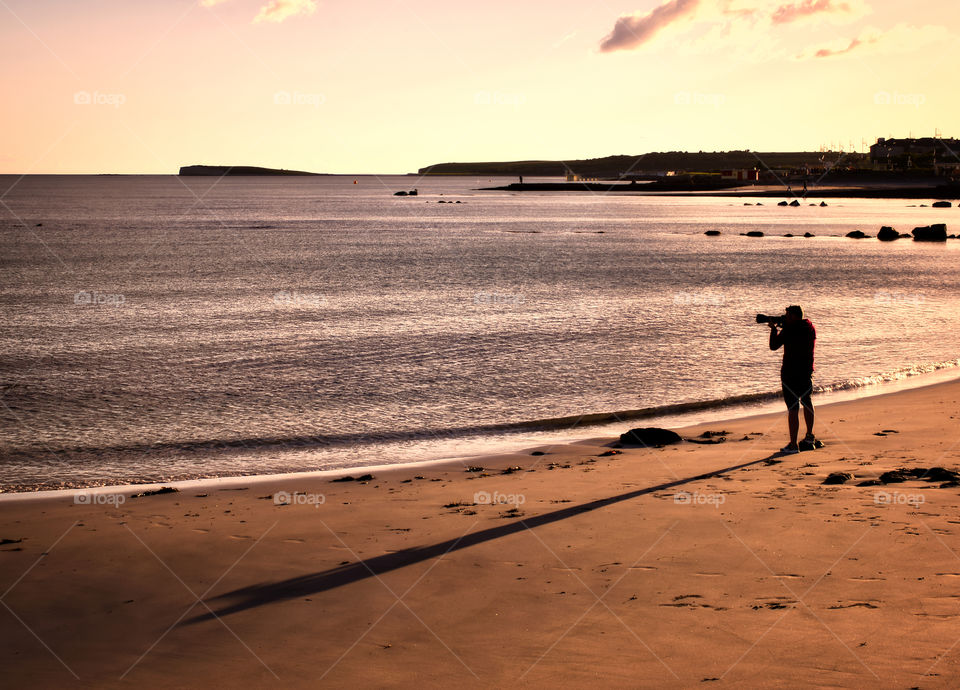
[{"x": 775, "y": 340}]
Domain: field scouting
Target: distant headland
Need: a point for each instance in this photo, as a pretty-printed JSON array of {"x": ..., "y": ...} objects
[
  {"x": 648, "y": 164},
  {"x": 221, "y": 170},
  {"x": 894, "y": 168}
]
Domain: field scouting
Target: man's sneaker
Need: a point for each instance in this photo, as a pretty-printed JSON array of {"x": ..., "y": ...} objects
[
  {"x": 790, "y": 449},
  {"x": 810, "y": 442}
]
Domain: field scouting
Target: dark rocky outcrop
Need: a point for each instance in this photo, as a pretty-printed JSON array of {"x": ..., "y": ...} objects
[
  {"x": 754, "y": 233},
  {"x": 894, "y": 477},
  {"x": 712, "y": 233},
  {"x": 838, "y": 478},
  {"x": 808, "y": 234},
  {"x": 931, "y": 233},
  {"x": 941, "y": 204},
  {"x": 857, "y": 234},
  {"x": 933, "y": 475},
  {"x": 783, "y": 203},
  {"x": 794, "y": 203},
  {"x": 941, "y": 474},
  {"x": 650, "y": 436},
  {"x": 887, "y": 234}
]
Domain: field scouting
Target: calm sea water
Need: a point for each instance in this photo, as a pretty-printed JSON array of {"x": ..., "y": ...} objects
[{"x": 159, "y": 328}]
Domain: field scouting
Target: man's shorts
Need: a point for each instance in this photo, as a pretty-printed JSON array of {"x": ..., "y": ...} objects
[{"x": 797, "y": 390}]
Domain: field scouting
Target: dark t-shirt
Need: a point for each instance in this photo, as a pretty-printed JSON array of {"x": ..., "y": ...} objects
[{"x": 798, "y": 340}]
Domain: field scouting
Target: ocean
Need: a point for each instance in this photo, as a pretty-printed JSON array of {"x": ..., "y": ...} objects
[{"x": 158, "y": 328}]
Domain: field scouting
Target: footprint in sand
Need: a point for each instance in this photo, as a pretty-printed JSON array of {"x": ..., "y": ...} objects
[
  {"x": 642, "y": 567},
  {"x": 774, "y": 603},
  {"x": 866, "y": 579},
  {"x": 240, "y": 537},
  {"x": 855, "y": 604},
  {"x": 200, "y": 530},
  {"x": 688, "y": 601},
  {"x": 709, "y": 574},
  {"x": 293, "y": 541},
  {"x": 948, "y": 574}
]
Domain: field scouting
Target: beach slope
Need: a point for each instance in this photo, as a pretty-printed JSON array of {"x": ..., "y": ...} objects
[{"x": 696, "y": 563}]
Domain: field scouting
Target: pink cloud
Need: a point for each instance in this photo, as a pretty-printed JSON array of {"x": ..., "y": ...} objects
[
  {"x": 631, "y": 31},
  {"x": 806, "y": 8},
  {"x": 902, "y": 38},
  {"x": 830, "y": 52}
]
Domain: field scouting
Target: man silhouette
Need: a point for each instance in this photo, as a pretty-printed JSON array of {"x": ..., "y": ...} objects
[{"x": 798, "y": 337}]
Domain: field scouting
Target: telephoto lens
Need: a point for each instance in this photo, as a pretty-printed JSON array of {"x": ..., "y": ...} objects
[{"x": 763, "y": 318}]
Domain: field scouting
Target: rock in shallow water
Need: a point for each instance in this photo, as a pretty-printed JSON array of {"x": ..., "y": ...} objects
[
  {"x": 931, "y": 233},
  {"x": 887, "y": 234}
]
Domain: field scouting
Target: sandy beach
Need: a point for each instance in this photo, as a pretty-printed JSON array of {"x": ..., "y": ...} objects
[{"x": 694, "y": 563}]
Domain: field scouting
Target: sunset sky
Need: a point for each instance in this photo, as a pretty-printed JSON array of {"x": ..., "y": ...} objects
[{"x": 93, "y": 86}]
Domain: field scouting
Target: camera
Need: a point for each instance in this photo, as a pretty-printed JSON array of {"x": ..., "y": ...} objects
[{"x": 778, "y": 320}]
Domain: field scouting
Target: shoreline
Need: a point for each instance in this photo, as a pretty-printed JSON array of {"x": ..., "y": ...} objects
[{"x": 698, "y": 418}]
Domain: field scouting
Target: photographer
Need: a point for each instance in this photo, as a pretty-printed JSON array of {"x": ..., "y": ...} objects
[{"x": 798, "y": 337}]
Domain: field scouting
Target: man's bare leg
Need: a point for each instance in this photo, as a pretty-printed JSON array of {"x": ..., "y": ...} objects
[
  {"x": 808, "y": 418},
  {"x": 793, "y": 423}
]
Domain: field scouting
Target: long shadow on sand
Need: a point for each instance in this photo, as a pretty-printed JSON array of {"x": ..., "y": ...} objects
[{"x": 305, "y": 585}]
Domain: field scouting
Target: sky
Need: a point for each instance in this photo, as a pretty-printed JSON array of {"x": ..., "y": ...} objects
[{"x": 389, "y": 86}]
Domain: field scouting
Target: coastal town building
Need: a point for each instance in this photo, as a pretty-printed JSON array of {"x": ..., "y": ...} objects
[
  {"x": 741, "y": 175},
  {"x": 912, "y": 152}
]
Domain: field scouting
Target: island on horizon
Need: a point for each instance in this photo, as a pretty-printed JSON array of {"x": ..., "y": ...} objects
[{"x": 221, "y": 170}]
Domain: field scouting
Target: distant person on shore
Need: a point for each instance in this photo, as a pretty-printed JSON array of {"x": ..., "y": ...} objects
[
  {"x": 797, "y": 337},
  {"x": 521, "y": 179}
]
